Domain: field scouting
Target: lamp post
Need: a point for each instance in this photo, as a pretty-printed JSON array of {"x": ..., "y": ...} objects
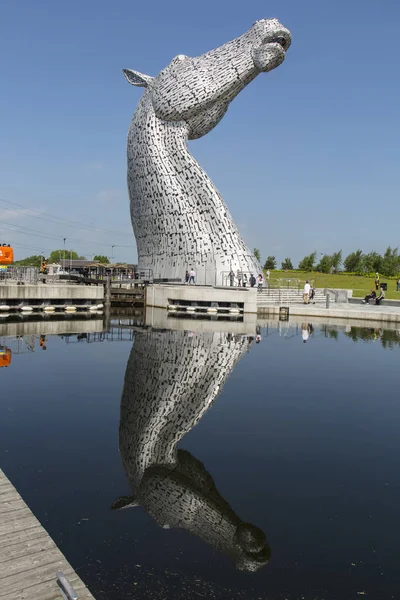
[
  {"x": 112, "y": 253},
  {"x": 65, "y": 239}
]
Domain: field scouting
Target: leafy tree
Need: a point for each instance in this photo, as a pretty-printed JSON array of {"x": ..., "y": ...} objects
[
  {"x": 372, "y": 262},
  {"x": 270, "y": 263},
  {"x": 31, "y": 261},
  {"x": 336, "y": 259},
  {"x": 391, "y": 262},
  {"x": 287, "y": 264},
  {"x": 101, "y": 259},
  {"x": 353, "y": 263},
  {"x": 308, "y": 262},
  {"x": 325, "y": 264},
  {"x": 257, "y": 254},
  {"x": 58, "y": 255}
]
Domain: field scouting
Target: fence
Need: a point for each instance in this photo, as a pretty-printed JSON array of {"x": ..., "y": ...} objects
[{"x": 13, "y": 275}]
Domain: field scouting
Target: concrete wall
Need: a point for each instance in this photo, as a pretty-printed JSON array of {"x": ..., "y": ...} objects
[
  {"x": 159, "y": 295},
  {"x": 311, "y": 311},
  {"x": 24, "y": 293},
  {"x": 338, "y": 295}
]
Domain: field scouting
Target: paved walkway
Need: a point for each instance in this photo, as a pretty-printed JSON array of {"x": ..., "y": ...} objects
[
  {"x": 29, "y": 558},
  {"x": 361, "y": 312}
]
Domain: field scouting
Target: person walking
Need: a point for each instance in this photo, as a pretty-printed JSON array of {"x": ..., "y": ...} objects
[
  {"x": 260, "y": 282},
  {"x": 252, "y": 280},
  {"x": 239, "y": 278},
  {"x": 268, "y": 274},
  {"x": 192, "y": 275},
  {"x": 244, "y": 280},
  {"x": 187, "y": 275},
  {"x": 306, "y": 292},
  {"x": 377, "y": 281},
  {"x": 398, "y": 285},
  {"x": 231, "y": 277}
]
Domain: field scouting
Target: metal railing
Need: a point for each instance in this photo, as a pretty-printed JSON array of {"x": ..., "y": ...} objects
[
  {"x": 240, "y": 279},
  {"x": 19, "y": 275}
]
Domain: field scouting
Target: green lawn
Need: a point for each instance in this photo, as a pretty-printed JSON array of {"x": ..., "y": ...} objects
[{"x": 360, "y": 284}]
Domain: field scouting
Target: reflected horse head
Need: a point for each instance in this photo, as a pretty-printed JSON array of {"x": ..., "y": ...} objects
[{"x": 171, "y": 380}]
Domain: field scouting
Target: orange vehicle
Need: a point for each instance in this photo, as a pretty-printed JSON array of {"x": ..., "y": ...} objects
[
  {"x": 5, "y": 356},
  {"x": 6, "y": 255}
]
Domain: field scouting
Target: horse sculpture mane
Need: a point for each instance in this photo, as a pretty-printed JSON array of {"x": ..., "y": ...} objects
[{"x": 179, "y": 218}]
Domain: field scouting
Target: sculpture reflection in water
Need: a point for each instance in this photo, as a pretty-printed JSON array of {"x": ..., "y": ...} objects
[{"x": 171, "y": 379}]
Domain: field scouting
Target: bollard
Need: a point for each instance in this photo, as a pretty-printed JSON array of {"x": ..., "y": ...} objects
[{"x": 66, "y": 589}]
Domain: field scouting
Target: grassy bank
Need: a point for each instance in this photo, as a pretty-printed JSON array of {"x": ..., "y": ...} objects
[{"x": 360, "y": 284}]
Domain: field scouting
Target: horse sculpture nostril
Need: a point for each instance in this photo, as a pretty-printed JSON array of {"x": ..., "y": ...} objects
[{"x": 282, "y": 41}]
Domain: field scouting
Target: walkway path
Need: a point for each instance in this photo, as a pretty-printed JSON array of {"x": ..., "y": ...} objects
[
  {"x": 29, "y": 558},
  {"x": 362, "y": 312}
]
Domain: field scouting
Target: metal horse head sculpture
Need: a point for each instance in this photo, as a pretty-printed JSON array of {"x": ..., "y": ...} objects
[{"x": 179, "y": 218}]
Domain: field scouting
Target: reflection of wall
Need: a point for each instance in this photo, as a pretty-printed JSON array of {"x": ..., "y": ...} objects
[{"x": 171, "y": 380}]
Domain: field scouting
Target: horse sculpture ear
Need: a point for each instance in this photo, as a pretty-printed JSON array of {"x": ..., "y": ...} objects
[
  {"x": 124, "y": 502},
  {"x": 136, "y": 78}
]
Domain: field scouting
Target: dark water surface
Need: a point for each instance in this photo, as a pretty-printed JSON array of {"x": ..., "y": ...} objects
[{"x": 229, "y": 469}]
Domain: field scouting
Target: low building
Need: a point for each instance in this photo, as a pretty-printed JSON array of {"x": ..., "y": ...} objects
[{"x": 94, "y": 270}]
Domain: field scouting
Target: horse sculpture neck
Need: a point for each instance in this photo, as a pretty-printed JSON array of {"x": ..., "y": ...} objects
[{"x": 182, "y": 221}]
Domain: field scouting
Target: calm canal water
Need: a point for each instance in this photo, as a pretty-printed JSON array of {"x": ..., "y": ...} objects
[{"x": 229, "y": 469}]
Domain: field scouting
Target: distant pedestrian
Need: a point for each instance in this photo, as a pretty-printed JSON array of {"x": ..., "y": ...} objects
[
  {"x": 244, "y": 280},
  {"x": 260, "y": 282},
  {"x": 377, "y": 281},
  {"x": 252, "y": 280},
  {"x": 306, "y": 292},
  {"x": 268, "y": 274},
  {"x": 192, "y": 275},
  {"x": 239, "y": 278},
  {"x": 398, "y": 285},
  {"x": 312, "y": 295},
  {"x": 187, "y": 275},
  {"x": 231, "y": 277}
]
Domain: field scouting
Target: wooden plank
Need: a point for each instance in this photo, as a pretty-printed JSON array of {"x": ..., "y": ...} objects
[
  {"x": 28, "y": 546},
  {"x": 27, "y": 579},
  {"x": 29, "y": 558},
  {"x": 46, "y": 591},
  {"x": 15, "y": 514},
  {"x": 30, "y": 562},
  {"x": 19, "y": 525},
  {"x": 14, "y": 504},
  {"x": 8, "y": 495},
  {"x": 15, "y": 538}
]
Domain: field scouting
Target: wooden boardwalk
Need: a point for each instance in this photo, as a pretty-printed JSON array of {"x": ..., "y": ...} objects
[{"x": 29, "y": 558}]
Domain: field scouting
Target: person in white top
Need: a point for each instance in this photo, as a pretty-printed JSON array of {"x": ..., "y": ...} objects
[
  {"x": 192, "y": 275},
  {"x": 306, "y": 292}
]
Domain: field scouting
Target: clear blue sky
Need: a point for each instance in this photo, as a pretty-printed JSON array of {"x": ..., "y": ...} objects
[{"x": 306, "y": 158}]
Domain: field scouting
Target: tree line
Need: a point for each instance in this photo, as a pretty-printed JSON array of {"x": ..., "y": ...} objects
[
  {"x": 356, "y": 262},
  {"x": 57, "y": 257}
]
